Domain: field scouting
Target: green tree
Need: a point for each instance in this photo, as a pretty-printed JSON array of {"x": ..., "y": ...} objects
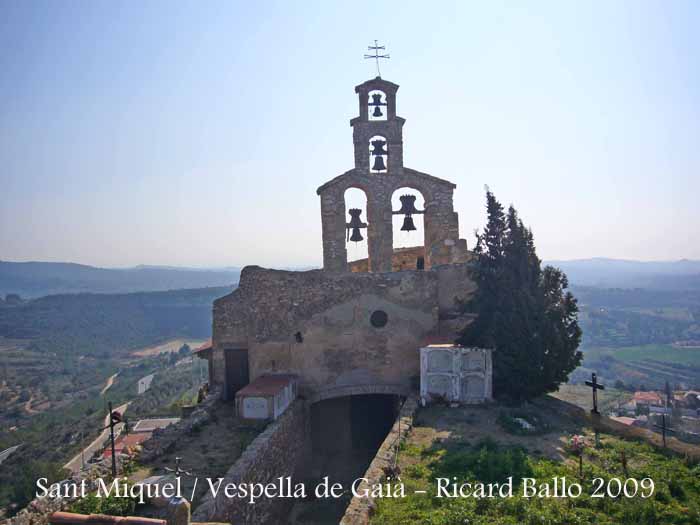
[
  {"x": 524, "y": 312},
  {"x": 24, "y": 486}
]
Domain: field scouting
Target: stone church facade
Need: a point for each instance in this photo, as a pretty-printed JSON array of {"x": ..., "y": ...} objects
[{"x": 356, "y": 327}]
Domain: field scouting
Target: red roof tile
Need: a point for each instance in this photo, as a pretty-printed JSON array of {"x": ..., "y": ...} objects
[
  {"x": 203, "y": 348},
  {"x": 267, "y": 385},
  {"x": 648, "y": 397},
  {"x": 69, "y": 518},
  {"x": 123, "y": 442}
]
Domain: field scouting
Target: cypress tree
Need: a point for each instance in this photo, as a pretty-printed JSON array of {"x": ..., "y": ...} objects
[{"x": 523, "y": 312}]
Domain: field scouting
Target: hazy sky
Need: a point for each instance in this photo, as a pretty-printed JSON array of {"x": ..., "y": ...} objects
[{"x": 197, "y": 133}]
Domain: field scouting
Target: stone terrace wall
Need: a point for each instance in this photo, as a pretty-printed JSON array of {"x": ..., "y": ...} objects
[
  {"x": 164, "y": 439},
  {"x": 360, "y": 510},
  {"x": 277, "y": 451}
]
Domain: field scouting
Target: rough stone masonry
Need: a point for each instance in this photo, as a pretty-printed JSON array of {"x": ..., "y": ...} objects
[{"x": 343, "y": 331}]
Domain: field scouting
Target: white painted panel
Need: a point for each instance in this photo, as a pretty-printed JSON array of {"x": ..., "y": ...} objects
[{"x": 255, "y": 408}]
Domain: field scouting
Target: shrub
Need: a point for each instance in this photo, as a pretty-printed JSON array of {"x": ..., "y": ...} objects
[{"x": 111, "y": 505}]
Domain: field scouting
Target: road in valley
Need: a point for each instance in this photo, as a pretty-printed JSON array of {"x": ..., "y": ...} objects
[
  {"x": 110, "y": 382},
  {"x": 6, "y": 453}
]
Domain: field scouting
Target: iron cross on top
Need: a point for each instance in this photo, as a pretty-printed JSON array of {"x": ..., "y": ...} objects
[{"x": 376, "y": 56}]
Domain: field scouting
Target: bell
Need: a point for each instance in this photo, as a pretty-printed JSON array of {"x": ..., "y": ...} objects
[
  {"x": 379, "y": 164},
  {"x": 408, "y": 225},
  {"x": 377, "y": 112},
  {"x": 408, "y": 205},
  {"x": 355, "y": 221},
  {"x": 355, "y": 224},
  {"x": 378, "y": 147},
  {"x": 377, "y": 100},
  {"x": 356, "y": 235}
]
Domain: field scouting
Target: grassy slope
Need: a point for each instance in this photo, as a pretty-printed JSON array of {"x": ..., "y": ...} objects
[
  {"x": 581, "y": 395},
  {"x": 450, "y": 443}
]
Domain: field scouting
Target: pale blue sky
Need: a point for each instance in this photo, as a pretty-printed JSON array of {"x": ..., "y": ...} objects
[{"x": 197, "y": 133}]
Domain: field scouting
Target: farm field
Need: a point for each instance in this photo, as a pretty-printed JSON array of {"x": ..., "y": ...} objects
[
  {"x": 641, "y": 367},
  {"x": 173, "y": 345},
  {"x": 664, "y": 353}
]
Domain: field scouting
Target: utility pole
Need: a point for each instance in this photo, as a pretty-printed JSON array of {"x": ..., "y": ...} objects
[
  {"x": 114, "y": 418},
  {"x": 111, "y": 437}
]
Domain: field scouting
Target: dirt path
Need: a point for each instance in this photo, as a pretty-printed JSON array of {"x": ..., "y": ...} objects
[
  {"x": 28, "y": 406},
  {"x": 109, "y": 383}
]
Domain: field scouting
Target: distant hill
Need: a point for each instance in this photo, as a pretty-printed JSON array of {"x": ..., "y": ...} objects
[
  {"x": 620, "y": 273},
  {"x": 109, "y": 325},
  {"x": 35, "y": 279}
]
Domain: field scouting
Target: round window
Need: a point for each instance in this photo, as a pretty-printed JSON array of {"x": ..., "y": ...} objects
[{"x": 379, "y": 318}]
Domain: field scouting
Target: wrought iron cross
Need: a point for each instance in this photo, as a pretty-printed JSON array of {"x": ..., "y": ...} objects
[
  {"x": 376, "y": 56},
  {"x": 595, "y": 385},
  {"x": 177, "y": 470}
]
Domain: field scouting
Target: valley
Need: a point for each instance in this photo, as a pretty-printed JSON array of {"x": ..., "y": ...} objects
[{"x": 64, "y": 357}]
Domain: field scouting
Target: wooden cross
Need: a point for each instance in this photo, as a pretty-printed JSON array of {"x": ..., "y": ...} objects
[
  {"x": 376, "y": 56},
  {"x": 664, "y": 428},
  {"x": 595, "y": 385}
]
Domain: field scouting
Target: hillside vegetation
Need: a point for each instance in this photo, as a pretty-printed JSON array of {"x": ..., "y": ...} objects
[
  {"x": 101, "y": 325},
  {"x": 34, "y": 279},
  {"x": 640, "y": 338},
  {"x": 56, "y": 349}
]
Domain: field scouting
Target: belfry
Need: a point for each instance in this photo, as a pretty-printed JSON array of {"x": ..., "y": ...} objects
[
  {"x": 356, "y": 328},
  {"x": 379, "y": 171}
]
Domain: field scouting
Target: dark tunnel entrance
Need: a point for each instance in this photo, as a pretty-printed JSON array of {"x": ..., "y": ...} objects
[
  {"x": 345, "y": 435},
  {"x": 356, "y": 424}
]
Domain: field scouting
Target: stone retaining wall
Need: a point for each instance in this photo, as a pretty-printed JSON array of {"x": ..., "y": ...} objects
[
  {"x": 360, "y": 509},
  {"x": 276, "y": 452},
  {"x": 163, "y": 439}
]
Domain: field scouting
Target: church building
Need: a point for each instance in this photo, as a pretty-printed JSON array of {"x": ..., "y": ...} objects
[{"x": 357, "y": 327}]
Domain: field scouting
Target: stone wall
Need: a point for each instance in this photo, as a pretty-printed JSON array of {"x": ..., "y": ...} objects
[
  {"x": 317, "y": 325},
  {"x": 164, "y": 439},
  {"x": 278, "y": 451},
  {"x": 403, "y": 259},
  {"x": 442, "y": 242},
  {"x": 360, "y": 510}
]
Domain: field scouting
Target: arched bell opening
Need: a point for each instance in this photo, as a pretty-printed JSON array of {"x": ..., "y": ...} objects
[
  {"x": 377, "y": 105},
  {"x": 356, "y": 228},
  {"x": 408, "y": 227},
  {"x": 378, "y": 154}
]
